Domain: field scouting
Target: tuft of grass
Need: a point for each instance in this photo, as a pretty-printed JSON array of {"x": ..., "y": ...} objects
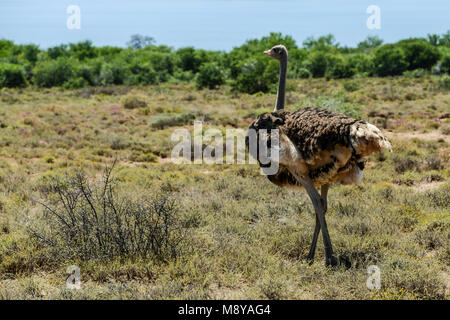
[
  {"x": 403, "y": 164},
  {"x": 85, "y": 220},
  {"x": 444, "y": 83},
  {"x": 351, "y": 86},
  {"x": 134, "y": 101},
  {"x": 169, "y": 120},
  {"x": 272, "y": 288},
  {"x": 445, "y": 129}
]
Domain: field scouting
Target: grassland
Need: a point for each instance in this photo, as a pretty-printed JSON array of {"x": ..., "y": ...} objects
[{"x": 242, "y": 236}]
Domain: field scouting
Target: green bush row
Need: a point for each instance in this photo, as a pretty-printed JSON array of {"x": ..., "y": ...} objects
[{"x": 81, "y": 64}]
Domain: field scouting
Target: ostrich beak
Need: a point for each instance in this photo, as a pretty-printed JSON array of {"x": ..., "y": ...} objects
[{"x": 267, "y": 52}]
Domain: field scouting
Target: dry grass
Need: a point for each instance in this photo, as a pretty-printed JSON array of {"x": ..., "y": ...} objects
[{"x": 245, "y": 238}]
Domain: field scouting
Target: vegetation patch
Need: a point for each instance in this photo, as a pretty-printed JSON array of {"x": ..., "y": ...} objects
[{"x": 86, "y": 220}]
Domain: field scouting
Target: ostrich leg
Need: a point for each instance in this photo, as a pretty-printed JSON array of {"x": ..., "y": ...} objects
[
  {"x": 320, "y": 214},
  {"x": 312, "y": 249}
]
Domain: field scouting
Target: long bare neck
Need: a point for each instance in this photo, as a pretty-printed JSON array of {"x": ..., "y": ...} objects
[{"x": 281, "y": 94}]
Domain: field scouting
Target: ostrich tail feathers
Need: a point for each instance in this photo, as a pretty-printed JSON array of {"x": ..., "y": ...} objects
[{"x": 367, "y": 139}]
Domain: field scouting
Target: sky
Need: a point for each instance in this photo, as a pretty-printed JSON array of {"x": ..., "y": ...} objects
[{"x": 217, "y": 24}]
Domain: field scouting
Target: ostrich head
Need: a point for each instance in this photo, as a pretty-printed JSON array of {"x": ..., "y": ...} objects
[{"x": 277, "y": 52}]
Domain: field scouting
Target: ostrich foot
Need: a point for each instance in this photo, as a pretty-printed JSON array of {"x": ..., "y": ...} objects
[
  {"x": 331, "y": 261},
  {"x": 309, "y": 259}
]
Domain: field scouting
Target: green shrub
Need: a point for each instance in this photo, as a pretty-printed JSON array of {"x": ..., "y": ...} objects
[
  {"x": 188, "y": 59},
  {"x": 58, "y": 51},
  {"x": 106, "y": 75},
  {"x": 321, "y": 63},
  {"x": 163, "y": 64},
  {"x": 54, "y": 72},
  {"x": 184, "y": 76},
  {"x": 419, "y": 53},
  {"x": 5, "y": 48},
  {"x": 296, "y": 68},
  {"x": 303, "y": 73},
  {"x": 88, "y": 73},
  {"x": 445, "y": 64},
  {"x": 257, "y": 75},
  {"x": 75, "y": 83},
  {"x": 30, "y": 52},
  {"x": 90, "y": 70},
  {"x": 27, "y": 52},
  {"x": 362, "y": 63},
  {"x": 322, "y": 43},
  {"x": 254, "y": 48},
  {"x": 370, "y": 43},
  {"x": 210, "y": 75},
  {"x": 418, "y": 73},
  {"x": 12, "y": 75},
  {"x": 82, "y": 50},
  {"x": 317, "y": 63},
  {"x": 249, "y": 59},
  {"x": 141, "y": 72},
  {"x": 444, "y": 82},
  {"x": 247, "y": 68},
  {"x": 115, "y": 72},
  {"x": 390, "y": 60},
  {"x": 351, "y": 86},
  {"x": 342, "y": 69}
]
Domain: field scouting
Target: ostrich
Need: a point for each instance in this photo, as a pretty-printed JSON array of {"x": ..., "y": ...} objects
[{"x": 316, "y": 148}]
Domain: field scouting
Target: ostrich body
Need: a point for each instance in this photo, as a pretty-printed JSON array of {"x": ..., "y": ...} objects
[{"x": 317, "y": 147}]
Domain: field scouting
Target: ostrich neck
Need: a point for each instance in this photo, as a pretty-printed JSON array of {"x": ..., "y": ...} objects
[{"x": 281, "y": 84}]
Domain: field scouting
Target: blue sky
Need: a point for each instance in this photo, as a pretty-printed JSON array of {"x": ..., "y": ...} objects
[{"x": 217, "y": 24}]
